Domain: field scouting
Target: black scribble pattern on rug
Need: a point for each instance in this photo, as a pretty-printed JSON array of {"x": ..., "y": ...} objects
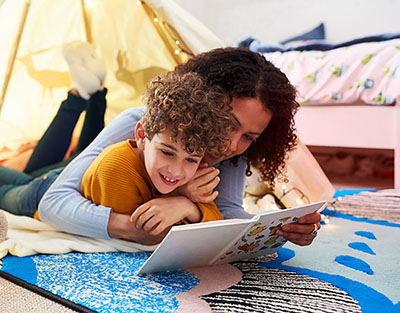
[{"x": 271, "y": 290}]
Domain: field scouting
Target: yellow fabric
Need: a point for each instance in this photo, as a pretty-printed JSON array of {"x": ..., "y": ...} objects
[
  {"x": 131, "y": 44},
  {"x": 118, "y": 179}
]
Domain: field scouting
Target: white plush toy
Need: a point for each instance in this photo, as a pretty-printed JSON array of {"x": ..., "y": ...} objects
[{"x": 257, "y": 197}]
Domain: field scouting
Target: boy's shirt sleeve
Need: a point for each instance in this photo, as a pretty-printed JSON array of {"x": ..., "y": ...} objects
[
  {"x": 209, "y": 211},
  {"x": 113, "y": 180}
]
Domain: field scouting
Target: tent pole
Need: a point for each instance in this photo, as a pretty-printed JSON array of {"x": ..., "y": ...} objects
[
  {"x": 13, "y": 52},
  {"x": 162, "y": 31}
]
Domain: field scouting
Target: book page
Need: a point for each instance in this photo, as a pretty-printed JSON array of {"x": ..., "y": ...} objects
[{"x": 261, "y": 238}]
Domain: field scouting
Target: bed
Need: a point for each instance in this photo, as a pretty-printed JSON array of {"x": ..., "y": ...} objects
[
  {"x": 326, "y": 122},
  {"x": 349, "y": 92}
]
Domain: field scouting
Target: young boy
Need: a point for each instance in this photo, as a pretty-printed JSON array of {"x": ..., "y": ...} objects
[{"x": 184, "y": 119}]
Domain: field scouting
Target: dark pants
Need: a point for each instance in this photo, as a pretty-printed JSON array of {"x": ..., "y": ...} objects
[
  {"x": 51, "y": 148},
  {"x": 20, "y": 193}
]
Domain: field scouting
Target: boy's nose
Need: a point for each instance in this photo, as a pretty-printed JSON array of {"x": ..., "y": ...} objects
[{"x": 176, "y": 169}]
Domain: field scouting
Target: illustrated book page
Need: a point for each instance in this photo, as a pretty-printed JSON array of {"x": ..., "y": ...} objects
[{"x": 224, "y": 241}]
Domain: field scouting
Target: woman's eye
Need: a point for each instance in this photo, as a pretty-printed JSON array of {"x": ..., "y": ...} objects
[
  {"x": 249, "y": 138},
  {"x": 167, "y": 153}
]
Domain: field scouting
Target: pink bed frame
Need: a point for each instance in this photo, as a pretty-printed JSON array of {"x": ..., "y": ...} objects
[{"x": 352, "y": 126}]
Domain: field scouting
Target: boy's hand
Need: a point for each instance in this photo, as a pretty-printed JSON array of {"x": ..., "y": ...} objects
[
  {"x": 199, "y": 188},
  {"x": 120, "y": 227},
  {"x": 157, "y": 215}
]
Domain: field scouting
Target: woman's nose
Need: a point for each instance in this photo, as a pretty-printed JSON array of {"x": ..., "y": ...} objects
[{"x": 234, "y": 143}]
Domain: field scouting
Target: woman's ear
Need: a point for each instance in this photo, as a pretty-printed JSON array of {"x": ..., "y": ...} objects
[{"x": 140, "y": 136}]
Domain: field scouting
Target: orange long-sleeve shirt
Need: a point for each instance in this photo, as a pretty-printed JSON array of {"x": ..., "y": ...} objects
[{"x": 118, "y": 179}]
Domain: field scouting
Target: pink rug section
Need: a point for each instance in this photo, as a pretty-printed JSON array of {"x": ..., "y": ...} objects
[{"x": 212, "y": 279}]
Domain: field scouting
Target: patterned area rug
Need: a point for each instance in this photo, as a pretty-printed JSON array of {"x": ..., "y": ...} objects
[
  {"x": 380, "y": 205},
  {"x": 351, "y": 267}
]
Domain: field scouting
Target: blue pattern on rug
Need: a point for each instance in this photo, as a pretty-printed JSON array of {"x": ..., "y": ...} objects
[
  {"x": 339, "y": 258},
  {"x": 361, "y": 246},
  {"x": 104, "y": 282},
  {"x": 365, "y": 234},
  {"x": 354, "y": 263}
]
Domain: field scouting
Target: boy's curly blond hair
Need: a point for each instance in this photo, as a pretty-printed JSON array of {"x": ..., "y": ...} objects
[{"x": 183, "y": 104}]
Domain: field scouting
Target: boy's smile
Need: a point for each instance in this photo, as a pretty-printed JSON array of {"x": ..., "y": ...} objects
[{"x": 168, "y": 165}]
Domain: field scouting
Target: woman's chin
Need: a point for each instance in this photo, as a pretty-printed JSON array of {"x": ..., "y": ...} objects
[{"x": 211, "y": 159}]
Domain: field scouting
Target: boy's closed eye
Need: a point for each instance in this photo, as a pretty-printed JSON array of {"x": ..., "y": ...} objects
[
  {"x": 168, "y": 153},
  {"x": 191, "y": 160}
]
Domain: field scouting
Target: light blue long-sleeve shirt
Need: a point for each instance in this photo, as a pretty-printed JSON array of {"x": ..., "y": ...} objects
[{"x": 64, "y": 207}]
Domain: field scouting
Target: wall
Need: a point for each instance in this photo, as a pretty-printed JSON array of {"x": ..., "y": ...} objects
[{"x": 275, "y": 20}]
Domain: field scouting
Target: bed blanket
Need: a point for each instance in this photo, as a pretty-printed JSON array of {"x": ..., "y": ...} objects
[
  {"x": 365, "y": 73},
  {"x": 27, "y": 236}
]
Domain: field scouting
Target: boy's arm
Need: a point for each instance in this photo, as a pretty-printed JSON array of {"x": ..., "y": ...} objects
[
  {"x": 159, "y": 214},
  {"x": 112, "y": 180},
  {"x": 63, "y": 206},
  {"x": 209, "y": 212}
]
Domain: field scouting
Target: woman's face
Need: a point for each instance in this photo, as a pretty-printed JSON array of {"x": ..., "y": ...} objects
[{"x": 250, "y": 120}]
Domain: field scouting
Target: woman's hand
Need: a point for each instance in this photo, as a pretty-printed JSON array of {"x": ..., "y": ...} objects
[
  {"x": 120, "y": 227},
  {"x": 159, "y": 214},
  {"x": 302, "y": 233},
  {"x": 199, "y": 188}
]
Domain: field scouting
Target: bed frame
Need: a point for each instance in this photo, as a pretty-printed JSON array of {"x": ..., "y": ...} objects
[{"x": 360, "y": 126}]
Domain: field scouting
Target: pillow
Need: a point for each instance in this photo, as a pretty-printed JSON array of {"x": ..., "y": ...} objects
[{"x": 318, "y": 33}]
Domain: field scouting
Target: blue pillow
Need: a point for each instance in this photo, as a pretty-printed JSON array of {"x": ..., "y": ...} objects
[{"x": 318, "y": 33}]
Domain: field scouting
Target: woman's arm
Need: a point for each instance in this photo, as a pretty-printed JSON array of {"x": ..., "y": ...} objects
[
  {"x": 231, "y": 189},
  {"x": 63, "y": 206}
]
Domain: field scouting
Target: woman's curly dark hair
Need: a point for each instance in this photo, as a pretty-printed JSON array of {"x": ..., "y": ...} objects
[
  {"x": 183, "y": 104},
  {"x": 245, "y": 74}
]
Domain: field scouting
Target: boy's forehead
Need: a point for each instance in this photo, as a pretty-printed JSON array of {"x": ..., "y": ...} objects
[{"x": 166, "y": 138}]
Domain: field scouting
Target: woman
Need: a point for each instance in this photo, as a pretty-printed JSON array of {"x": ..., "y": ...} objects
[{"x": 263, "y": 105}]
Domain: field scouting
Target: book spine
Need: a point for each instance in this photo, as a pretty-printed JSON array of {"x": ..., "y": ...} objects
[{"x": 232, "y": 243}]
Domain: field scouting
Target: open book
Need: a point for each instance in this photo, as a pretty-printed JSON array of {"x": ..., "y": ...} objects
[{"x": 225, "y": 241}]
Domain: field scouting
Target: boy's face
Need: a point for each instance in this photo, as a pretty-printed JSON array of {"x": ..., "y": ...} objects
[{"x": 167, "y": 163}]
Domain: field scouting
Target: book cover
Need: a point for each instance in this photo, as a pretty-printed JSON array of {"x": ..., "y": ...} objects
[{"x": 223, "y": 241}]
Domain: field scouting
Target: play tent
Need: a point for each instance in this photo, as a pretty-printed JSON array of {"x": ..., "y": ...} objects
[{"x": 136, "y": 40}]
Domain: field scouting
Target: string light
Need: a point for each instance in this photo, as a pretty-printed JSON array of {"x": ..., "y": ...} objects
[
  {"x": 294, "y": 193},
  {"x": 138, "y": 3},
  {"x": 299, "y": 201},
  {"x": 177, "y": 51},
  {"x": 155, "y": 20},
  {"x": 324, "y": 219}
]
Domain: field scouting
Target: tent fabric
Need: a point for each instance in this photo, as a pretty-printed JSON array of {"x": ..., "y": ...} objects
[{"x": 134, "y": 39}]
